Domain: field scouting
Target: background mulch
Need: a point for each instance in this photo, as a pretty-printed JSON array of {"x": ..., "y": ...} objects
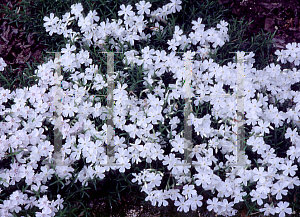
[
  {"x": 17, "y": 48},
  {"x": 269, "y": 15}
]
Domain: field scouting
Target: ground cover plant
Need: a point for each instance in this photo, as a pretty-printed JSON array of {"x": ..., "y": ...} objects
[{"x": 148, "y": 112}]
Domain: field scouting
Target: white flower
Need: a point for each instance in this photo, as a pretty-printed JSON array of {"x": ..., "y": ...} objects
[
  {"x": 50, "y": 21},
  {"x": 64, "y": 171},
  {"x": 213, "y": 204},
  {"x": 2, "y": 64},
  {"x": 175, "y": 5},
  {"x": 189, "y": 190},
  {"x": 268, "y": 209},
  {"x": 76, "y": 9},
  {"x": 282, "y": 208},
  {"x": 143, "y": 7},
  {"x": 177, "y": 34},
  {"x": 126, "y": 11},
  {"x": 278, "y": 190},
  {"x": 173, "y": 44},
  {"x": 183, "y": 205}
]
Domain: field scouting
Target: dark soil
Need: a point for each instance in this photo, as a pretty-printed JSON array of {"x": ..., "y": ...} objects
[
  {"x": 17, "y": 47},
  {"x": 269, "y": 15}
]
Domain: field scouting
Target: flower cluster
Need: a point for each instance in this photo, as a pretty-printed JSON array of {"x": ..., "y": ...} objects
[
  {"x": 291, "y": 54},
  {"x": 22, "y": 131}
]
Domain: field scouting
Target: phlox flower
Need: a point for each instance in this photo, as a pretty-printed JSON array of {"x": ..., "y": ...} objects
[
  {"x": 181, "y": 168},
  {"x": 17, "y": 197},
  {"x": 262, "y": 128},
  {"x": 183, "y": 205},
  {"x": 174, "y": 194},
  {"x": 132, "y": 130},
  {"x": 170, "y": 160},
  {"x": 175, "y": 5},
  {"x": 278, "y": 190},
  {"x": 297, "y": 59},
  {"x": 189, "y": 191},
  {"x": 293, "y": 181},
  {"x": 43, "y": 202},
  {"x": 30, "y": 202},
  {"x": 76, "y": 9},
  {"x": 173, "y": 44},
  {"x": 2, "y": 64},
  {"x": 36, "y": 153},
  {"x": 93, "y": 16},
  {"x": 291, "y": 134},
  {"x": 85, "y": 23},
  {"x": 223, "y": 25},
  {"x": 66, "y": 18},
  {"x": 282, "y": 208},
  {"x": 68, "y": 48},
  {"x": 99, "y": 171},
  {"x": 124, "y": 162},
  {"x": 152, "y": 195},
  {"x": 258, "y": 196},
  {"x": 203, "y": 178},
  {"x": 46, "y": 148},
  {"x": 281, "y": 56},
  {"x": 268, "y": 209},
  {"x": 264, "y": 187},
  {"x": 52, "y": 29},
  {"x": 293, "y": 114},
  {"x": 154, "y": 179},
  {"x": 45, "y": 213},
  {"x": 288, "y": 168},
  {"x": 197, "y": 24},
  {"x": 83, "y": 57},
  {"x": 174, "y": 121},
  {"x": 46, "y": 173},
  {"x": 131, "y": 38},
  {"x": 164, "y": 12},
  {"x": 281, "y": 180},
  {"x": 177, "y": 33},
  {"x": 69, "y": 64},
  {"x": 259, "y": 174},
  {"x": 291, "y": 49},
  {"x": 194, "y": 37},
  {"x": 64, "y": 171},
  {"x": 162, "y": 199},
  {"x": 225, "y": 206},
  {"x": 157, "y": 152},
  {"x": 154, "y": 114},
  {"x": 143, "y": 7},
  {"x": 178, "y": 144},
  {"x": 50, "y": 21},
  {"x": 137, "y": 177},
  {"x": 196, "y": 202},
  {"x": 135, "y": 158},
  {"x": 185, "y": 42},
  {"x": 90, "y": 155},
  {"x": 126, "y": 11},
  {"x": 139, "y": 23},
  {"x": 238, "y": 196},
  {"x": 213, "y": 204}
]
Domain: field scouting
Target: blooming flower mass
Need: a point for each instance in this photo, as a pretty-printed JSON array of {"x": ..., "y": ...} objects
[{"x": 151, "y": 119}]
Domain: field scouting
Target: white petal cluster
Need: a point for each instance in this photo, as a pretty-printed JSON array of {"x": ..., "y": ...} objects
[
  {"x": 2, "y": 64},
  {"x": 23, "y": 130}
]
